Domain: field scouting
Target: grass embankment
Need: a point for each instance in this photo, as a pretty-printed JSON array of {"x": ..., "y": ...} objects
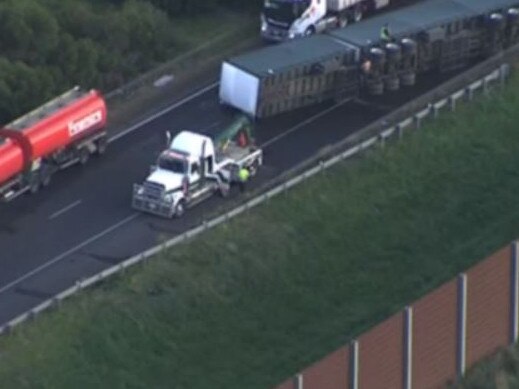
[{"x": 254, "y": 301}]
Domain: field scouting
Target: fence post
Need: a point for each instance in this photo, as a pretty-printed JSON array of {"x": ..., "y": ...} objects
[
  {"x": 462, "y": 323},
  {"x": 354, "y": 358},
  {"x": 408, "y": 348},
  {"x": 514, "y": 300},
  {"x": 298, "y": 381}
]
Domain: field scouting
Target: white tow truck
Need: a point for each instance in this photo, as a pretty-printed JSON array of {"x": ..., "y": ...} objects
[
  {"x": 289, "y": 19},
  {"x": 194, "y": 167}
]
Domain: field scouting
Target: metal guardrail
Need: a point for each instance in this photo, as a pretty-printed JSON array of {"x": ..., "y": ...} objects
[{"x": 432, "y": 110}]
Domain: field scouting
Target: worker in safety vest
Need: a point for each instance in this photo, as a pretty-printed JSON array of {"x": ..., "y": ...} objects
[
  {"x": 385, "y": 34},
  {"x": 243, "y": 177}
]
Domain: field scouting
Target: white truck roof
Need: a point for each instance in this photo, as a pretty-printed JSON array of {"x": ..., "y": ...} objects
[{"x": 192, "y": 143}]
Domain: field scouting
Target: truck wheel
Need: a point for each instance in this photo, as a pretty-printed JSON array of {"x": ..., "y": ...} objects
[
  {"x": 101, "y": 145},
  {"x": 310, "y": 31},
  {"x": 45, "y": 177},
  {"x": 34, "y": 185},
  {"x": 253, "y": 168},
  {"x": 224, "y": 190},
  {"x": 343, "y": 21},
  {"x": 180, "y": 209},
  {"x": 84, "y": 155}
]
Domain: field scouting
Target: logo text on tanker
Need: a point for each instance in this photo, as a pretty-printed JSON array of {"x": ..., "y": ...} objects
[{"x": 77, "y": 127}]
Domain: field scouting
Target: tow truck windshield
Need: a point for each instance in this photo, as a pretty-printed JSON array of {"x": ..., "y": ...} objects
[
  {"x": 286, "y": 11},
  {"x": 175, "y": 165}
]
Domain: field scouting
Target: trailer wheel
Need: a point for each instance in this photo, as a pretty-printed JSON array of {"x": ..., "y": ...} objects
[
  {"x": 392, "y": 84},
  {"x": 101, "y": 145},
  {"x": 84, "y": 155},
  {"x": 180, "y": 209},
  {"x": 342, "y": 21},
  {"x": 357, "y": 14}
]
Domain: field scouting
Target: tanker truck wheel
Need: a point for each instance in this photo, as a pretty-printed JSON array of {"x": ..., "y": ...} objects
[
  {"x": 84, "y": 155},
  {"x": 45, "y": 177},
  {"x": 101, "y": 145},
  {"x": 34, "y": 184}
]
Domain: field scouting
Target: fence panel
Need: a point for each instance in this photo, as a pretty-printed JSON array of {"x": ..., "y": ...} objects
[
  {"x": 332, "y": 372},
  {"x": 381, "y": 355},
  {"x": 434, "y": 337},
  {"x": 488, "y": 305}
]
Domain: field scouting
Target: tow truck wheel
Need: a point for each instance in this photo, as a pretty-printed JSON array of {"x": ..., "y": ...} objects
[
  {"x": 180, "y": 209},
  {"x": 310, "y": 31},
  {"x": 253, "y": 168}
]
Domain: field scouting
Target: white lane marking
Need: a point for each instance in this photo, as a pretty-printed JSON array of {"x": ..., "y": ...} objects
[
  {"x": 302, "y": 124},
  {"x": 68, "y": 252},
  {"x": 165, "y": 110},
  {"x": 65, "y": 209}
]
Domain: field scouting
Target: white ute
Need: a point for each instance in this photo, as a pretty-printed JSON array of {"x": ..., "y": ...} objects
[{"x": 193, "y": 169}]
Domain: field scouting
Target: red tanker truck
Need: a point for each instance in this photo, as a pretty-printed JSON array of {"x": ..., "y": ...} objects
[{"x": 58, "y": 134}]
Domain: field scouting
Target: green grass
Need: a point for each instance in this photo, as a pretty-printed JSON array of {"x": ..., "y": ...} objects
[
  {"x": 254, "y": 301},
  {"x": 500, "y": 371}
]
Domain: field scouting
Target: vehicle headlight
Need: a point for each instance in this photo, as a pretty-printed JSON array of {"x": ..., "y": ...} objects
[
  {"x": 291, "y": 35},
  {"x": 140, "y": 191},
  {"x": 169, "y": 198}
]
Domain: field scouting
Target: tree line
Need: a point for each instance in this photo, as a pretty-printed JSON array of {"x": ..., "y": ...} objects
[{"x": 48, "y": 46}]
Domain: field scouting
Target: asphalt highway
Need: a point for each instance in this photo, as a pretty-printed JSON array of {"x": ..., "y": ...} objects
[{"x": 83, "y": 223}]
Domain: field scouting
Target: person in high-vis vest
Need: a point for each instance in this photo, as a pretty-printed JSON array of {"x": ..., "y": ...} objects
[
  {"x": 243, "y": 177},
  {"x": 385, "y": 34}
]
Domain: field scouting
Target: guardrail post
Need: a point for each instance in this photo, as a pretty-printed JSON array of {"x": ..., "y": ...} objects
[
  {"x": 399, "y": 131},
  {"x": 417, "y": 122},
  {"x": 382, "y": 140},
  {"x": 321, "y": 166},
  {"x": 452, "y": 103},
  {"x": 469, "y": 92},
  {"x": 504, "y": 71},
  {"x": 485, "y": 87}
]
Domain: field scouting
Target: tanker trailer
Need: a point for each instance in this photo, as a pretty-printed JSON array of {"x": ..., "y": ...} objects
[{"x": 56, "y": 135}]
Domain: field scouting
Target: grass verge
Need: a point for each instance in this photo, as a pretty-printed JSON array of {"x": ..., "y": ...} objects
[{"x": 254, "y": 301}]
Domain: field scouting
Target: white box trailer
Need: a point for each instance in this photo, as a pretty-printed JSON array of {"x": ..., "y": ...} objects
[
  {"x": 239, "y": 88},
  {"x": 283, "y": 77}
]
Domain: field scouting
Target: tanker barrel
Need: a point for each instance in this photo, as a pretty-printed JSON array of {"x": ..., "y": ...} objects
[{"x": 20, "y": 139}]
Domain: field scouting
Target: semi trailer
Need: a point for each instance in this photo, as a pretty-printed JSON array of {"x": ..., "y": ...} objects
[
  {"x": 195, "y": 167},
  {"x": 54, "y": 136},
  {"x": 289, "y": 19},
  {"x": 339, "y": 65}
]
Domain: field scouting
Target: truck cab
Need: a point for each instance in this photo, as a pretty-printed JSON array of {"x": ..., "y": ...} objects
[
  {"x": 288, "y": 19},
  {"x": 189, "y": 171}
]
